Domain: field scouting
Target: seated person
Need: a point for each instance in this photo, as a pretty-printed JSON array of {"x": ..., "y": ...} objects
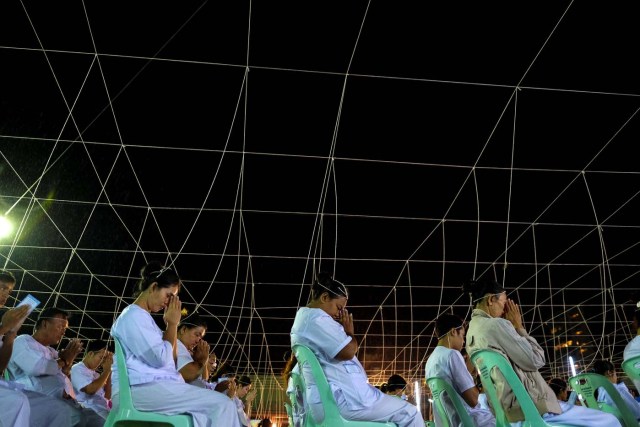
[
  {"x": 396, "y": 386},
  {"x": 19, "y": 407},
  {"x": 93, "y": 389},
  {"x": 447, "y": 362},
  {"x": 193, "y": 351},
  {"x": 39, "y": 367},
  {"x": 561, "y": 390},
  {"x": 497, "y": 324},
  {"x": 243, "y": 397},
  {"x": 326, "y": 328},
  {"x": 224, "y": 372},
  {"x": 607, "y": 369},
  {"x": 294, "y": 395},
  {"x": 151, "y": 355}
]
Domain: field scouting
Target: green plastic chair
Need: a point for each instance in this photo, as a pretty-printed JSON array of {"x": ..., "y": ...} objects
[
  {"x": 631, "y": 367},
  {"x": 126, "y": 415},
  {"x": 441, "y": 389},
  {"x": 586, "y": 385},
  {"x": 6, "y": 375},
  {"x": 332, "y": 417},
  {"x": 488, "y": 360}
]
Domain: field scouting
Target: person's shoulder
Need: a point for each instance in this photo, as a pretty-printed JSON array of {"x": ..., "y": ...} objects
[
  {"x": 79, "y": 366},
  {"x": 24, "y": 339}
]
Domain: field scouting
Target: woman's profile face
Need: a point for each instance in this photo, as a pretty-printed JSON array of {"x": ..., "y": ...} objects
[
  {"x": 333, "y": 306},
  {"x": 191, "y": 336}
]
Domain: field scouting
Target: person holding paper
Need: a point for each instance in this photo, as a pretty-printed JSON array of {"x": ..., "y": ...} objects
[{"x": 18, "y": 407}]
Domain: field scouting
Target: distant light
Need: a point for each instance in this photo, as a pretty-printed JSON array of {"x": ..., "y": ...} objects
[
  {"x": 416, "y": 393},
  {"x": 5, "y": 226},
  {"x": 572, "y": 366}
]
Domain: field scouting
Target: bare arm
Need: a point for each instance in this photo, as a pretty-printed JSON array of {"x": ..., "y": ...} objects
[
  {"x": 193, "y": 370},
  {"x": 471, "y": 396},
  {"x": 103, "y": 379}
]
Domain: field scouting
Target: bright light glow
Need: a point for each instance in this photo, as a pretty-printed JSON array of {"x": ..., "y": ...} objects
[
  {"x": 572, "y": 366},
  {"x": 416, "y": 393},
  {"x": 5, "y": 226}
]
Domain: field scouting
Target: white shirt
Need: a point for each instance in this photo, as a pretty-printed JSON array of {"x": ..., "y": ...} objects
[
  {"x": 36, "y": 367},
  {"x": 81, "y": 376},
  {"x": 149, "y": 357}
]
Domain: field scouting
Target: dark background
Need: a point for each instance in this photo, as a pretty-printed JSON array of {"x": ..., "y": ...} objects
[{"x": 404, "y": 146}]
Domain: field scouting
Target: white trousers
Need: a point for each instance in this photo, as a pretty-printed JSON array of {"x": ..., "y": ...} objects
[{"x": 208, "y": 408}]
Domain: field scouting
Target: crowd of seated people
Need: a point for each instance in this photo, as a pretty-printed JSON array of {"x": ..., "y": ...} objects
[{"x": 78, "y": 384}]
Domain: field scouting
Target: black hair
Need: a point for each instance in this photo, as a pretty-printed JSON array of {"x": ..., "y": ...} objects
[
  {"x": 50, "y": 313},
  {"x": 557, "y": 385},
  {"x": 192, "y": 321},
  {"x": 224, "y": 370},
  {"x": 95, "y": 345},
  {"x": 155, "y": 272},
  {"x": 243, "y": 381},
  {"x": 446, "y": 322},
  {"x": 7, "y": 276},
  {"x": 477, "y": 289},
  {"x": 325, "y": 283},
  {"x": 396, "y": 382},
  {"x": 601, "y": 366},
  {"x": 288, "y": 367}
]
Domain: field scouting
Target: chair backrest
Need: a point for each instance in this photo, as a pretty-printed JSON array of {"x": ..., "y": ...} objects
[
  {"x": 631, "y": 367},
  {"x": 488, "y": 360},
  {"x": 442, "y": 390},
  {"x": 332, "y": 418},
  {"x": 586, "y": 385},
  {"x": 124, "y": 387}
]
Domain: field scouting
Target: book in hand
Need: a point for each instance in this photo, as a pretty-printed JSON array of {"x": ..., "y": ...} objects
[{"x": 31, "y": 301}]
